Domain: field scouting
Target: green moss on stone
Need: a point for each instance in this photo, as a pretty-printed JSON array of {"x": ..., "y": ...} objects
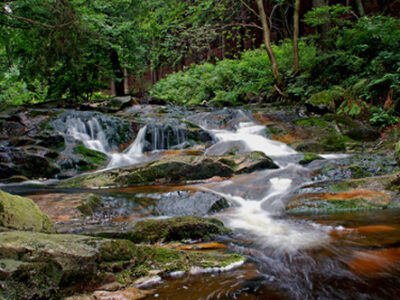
[
  {"x": 309, "y": 157},
  {"x": 313, "y": 122},
  {"x": 22, "y": 213},
  {"x": 176, "y": 229}
]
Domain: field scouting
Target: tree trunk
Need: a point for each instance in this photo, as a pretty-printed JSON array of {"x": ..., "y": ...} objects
[
  {"x": 360, "y": 8},
  {"x": 118, "y": 73},
  {"x": 296, "y": 37},
  {"x": 267, "y": 41},
  {"x": 324, "y": 29}
]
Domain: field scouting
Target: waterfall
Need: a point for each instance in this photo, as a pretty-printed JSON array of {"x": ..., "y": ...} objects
[
  {"x": 90, "y": 133},
  {"x": 132, "y": 155}
]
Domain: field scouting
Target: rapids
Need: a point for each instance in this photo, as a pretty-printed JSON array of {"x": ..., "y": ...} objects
[{"x": 302, "y": 257}]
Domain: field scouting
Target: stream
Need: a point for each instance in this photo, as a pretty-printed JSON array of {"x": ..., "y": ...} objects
[{"x": 326, "y": 256}]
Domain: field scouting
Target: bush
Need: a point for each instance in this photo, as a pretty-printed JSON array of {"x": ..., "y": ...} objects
[{"x": 231, "y": 81}]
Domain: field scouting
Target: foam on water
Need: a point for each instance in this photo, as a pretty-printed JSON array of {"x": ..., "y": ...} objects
[{"x": 251, "y": 134}]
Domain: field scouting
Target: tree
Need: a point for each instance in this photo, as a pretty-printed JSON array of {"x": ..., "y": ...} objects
[
  {"x": 267, "y": 41},
  {"x": 296, "y": 36}
]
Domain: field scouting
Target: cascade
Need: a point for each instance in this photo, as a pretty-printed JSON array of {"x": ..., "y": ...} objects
[{"x": 259, "y": 198}]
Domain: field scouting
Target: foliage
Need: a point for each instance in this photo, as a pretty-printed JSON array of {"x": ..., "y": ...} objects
[
  {"x": 15, "y": 91},
  {"x": 383, "y": 118},
  {"x": 230, "y": 81}
]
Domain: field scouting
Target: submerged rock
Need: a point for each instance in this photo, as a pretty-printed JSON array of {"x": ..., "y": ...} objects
[
  {"x": 175, "y": 169},
  {"x": 20, "y": 213}
]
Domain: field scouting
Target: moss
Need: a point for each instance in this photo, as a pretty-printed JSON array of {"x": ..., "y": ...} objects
[
  {"x": 313, "y": 122},
  {"x": 88, "y": 206},
  {"x": 327, "y": 97},
  {"x": 191, "y": 125},
  {"x": 309, "y": 157},
  {"x": 359, "y": 172},
  {"x": 341, "y": 120},
  {"x": 23, "y": 214},
  {"x": 335, "y": 142},
  {"x": 92, "y": 156},
  {"x": 176, "y": 229},
  {"x": 170, "y": 260},
  {"x": 270, "y": 130},
  {"x": 116, "y": 250}
]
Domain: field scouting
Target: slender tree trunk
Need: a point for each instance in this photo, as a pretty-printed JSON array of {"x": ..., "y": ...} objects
[
  {"x": 360, "y": 8},
  {"x": 324, "y": 29},
  {"x": 296, "y": 37},
  {"x": 118, "y": 73},
  {"x": 267, "y": 41}
]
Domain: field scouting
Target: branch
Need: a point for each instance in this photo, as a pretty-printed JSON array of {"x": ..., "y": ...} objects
[
  {"x": 240, "y": 24},
  {"x": 30, "y": 21},
  {"x": 249, "y": 8}
]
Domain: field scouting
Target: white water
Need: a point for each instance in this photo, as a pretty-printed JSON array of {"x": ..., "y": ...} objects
[
  {"x": 259, "y": 198},
  {"x": 132, "y": 155},
  {"x": 251, "y": 134},
  {"x": 92, "y": 135}
]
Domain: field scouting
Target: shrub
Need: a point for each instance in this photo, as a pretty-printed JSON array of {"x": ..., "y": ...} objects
[{"x": 231, "y": 80}]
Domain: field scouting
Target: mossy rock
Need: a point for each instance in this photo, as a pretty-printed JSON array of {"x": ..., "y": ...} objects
[
  {"x": 313, "y": 122},
  {"x": 41, "y": 266},
  {"x": 175, "y": 169},
  {"x": 94, "y": 158},
  {"x": 52, "y": 266},
  {"x": 176, "y": 229},
  {"x": 309, "y": 157},
  {"x": 325, "y": 101},
  {"x": 311, "y": 147},
  {"x": 335, "y": 142},
  {"x": 22, "y": 213}
]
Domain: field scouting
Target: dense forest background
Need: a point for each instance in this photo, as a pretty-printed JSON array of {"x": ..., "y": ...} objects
[{"x": 219, "y": 52}]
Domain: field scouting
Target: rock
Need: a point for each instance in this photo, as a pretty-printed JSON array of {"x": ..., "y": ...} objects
[
  {"x": 175, "y": 229},
  {"x": 127, "y": 294},
  {"x": 309, "y": 157},
  {"x": 94, "y": 159},
  {"x": 351, "y": 200},
  {"x": 310, "y": 147},
  {"x": 50, "y": 266},
  {"x": 49, "y": 139},
  {"x": 22, "y": 214},
  {"x": 363, "y": 134},
  {"x": 16, "y": 179},
  {"x": 325, "y": 101},
  {"x": 37, "y": 265},
  {"x": 175, "y": 169},
  {"x": 248, "y": 162}
]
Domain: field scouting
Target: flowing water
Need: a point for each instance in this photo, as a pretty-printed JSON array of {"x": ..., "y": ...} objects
[{"x": 347, "y": 256}]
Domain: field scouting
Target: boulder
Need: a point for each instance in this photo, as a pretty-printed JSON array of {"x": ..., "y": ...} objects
[
  {"x": 175, "y": 169},
  {"x": 53, "y": 266},
  {"x": 175, "y": 229},
  {"x": 22, "y": 213}
]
